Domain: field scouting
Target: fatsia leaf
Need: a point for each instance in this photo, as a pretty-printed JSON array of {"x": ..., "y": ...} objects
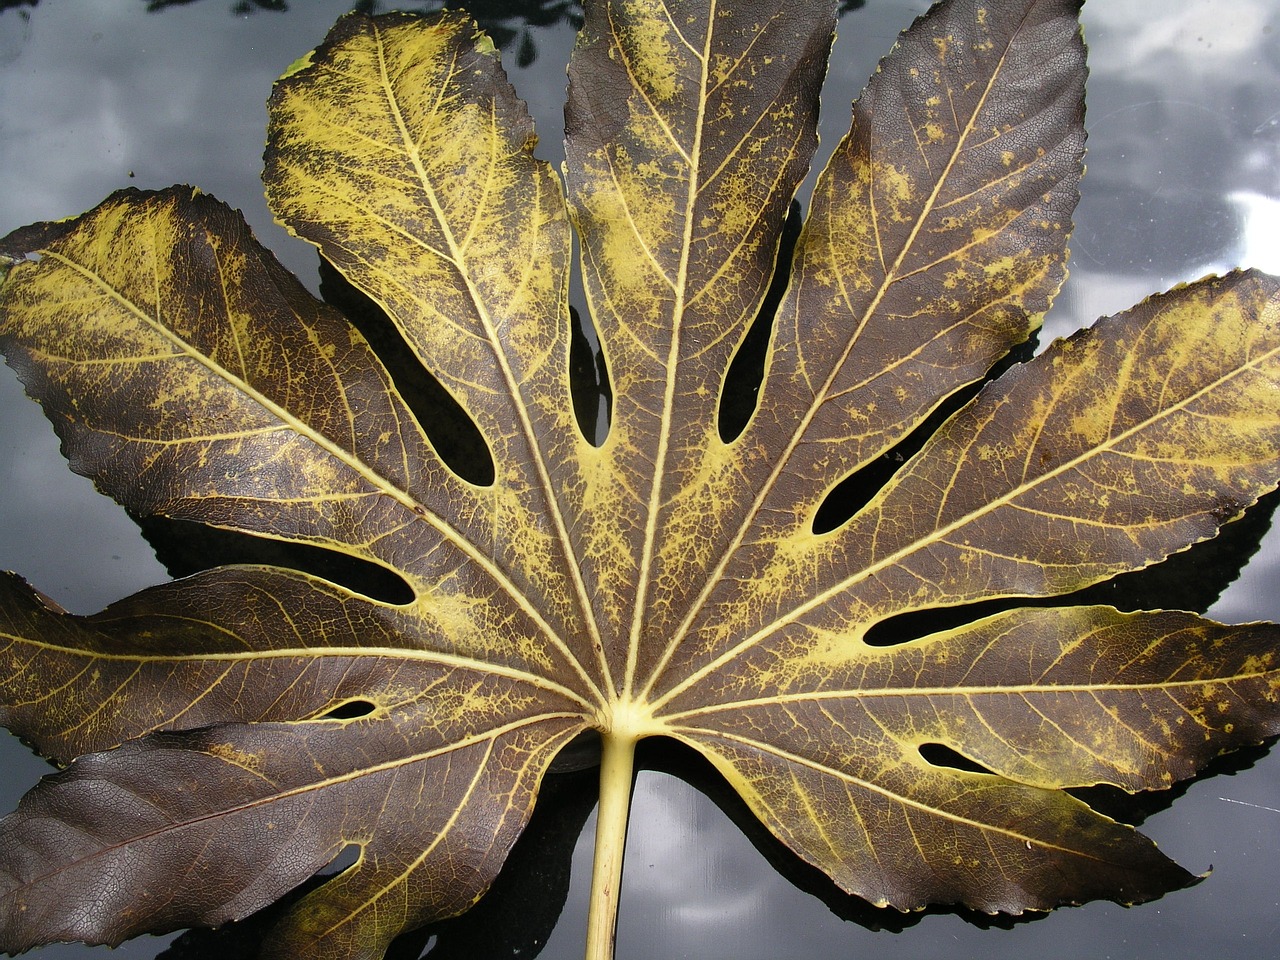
[{"x": 227, "y": 735}]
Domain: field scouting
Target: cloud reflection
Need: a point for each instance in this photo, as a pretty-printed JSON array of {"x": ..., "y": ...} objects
[{"x": 1184, "y": 177}]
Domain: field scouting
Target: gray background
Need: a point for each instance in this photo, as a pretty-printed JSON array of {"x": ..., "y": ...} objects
[{"x": 1184, "y": 179}]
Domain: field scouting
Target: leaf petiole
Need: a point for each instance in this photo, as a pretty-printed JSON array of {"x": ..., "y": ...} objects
[{"x": 617, "y": 775}]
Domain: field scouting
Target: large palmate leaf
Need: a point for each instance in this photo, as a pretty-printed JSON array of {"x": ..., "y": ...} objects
[{"x": 227, "y": 735}]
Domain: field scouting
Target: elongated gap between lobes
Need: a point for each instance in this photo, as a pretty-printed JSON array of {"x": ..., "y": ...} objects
[
  {"x": 452, "y": 432},
  {"x": 1191, "y": 579},
  {"x": 589, "y": 379},
  {"x": 852, "y": 493},
  {"x": 186, "y": 547},
  {"x": 742, "y": 382},
  {"x": 350, "y": 710},
  {"x": 589, "y": 385},
  {"x": 940, "y": 755}
]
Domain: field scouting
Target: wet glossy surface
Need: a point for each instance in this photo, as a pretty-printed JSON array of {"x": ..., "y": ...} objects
[{"x": 1184, "y": 179}]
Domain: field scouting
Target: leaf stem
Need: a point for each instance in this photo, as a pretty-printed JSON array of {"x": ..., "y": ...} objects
[{"x": 617, "y": 773}]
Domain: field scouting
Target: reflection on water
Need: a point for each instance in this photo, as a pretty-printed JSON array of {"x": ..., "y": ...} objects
[{"x": 1184, "y": 177}]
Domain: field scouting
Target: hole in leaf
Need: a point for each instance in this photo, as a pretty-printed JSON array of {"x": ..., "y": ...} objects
[
  {"x": 746, "y": 371},
  {"x": 186, "y": 547},
  {"x": 906, "y": 627},
  {"x": 350, "y": 710},
  {"x": 852, "y": 493},
  {"x": 347, "y": 857},
  {"x": 940, "y": 755},
  {"x": 588, "y": 379},
  {"x": 452, "y": 433}
]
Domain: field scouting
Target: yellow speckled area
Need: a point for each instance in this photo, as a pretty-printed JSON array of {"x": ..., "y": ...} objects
[
  {"x": 674, "y": 283},
  {"x": 667, "y": 582}
]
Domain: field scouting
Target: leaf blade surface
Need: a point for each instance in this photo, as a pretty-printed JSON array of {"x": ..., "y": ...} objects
[
  {"x": 689, "y": 127},
  {"x": 668, "y": 581}
]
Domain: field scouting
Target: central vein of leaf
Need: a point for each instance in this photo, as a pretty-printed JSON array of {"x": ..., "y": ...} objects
[
  {"x": 447, "y": 661},
  {"x": 672, "y": 365},
  {"x": 457, "y": 256},
  {"x": 891, "y": 276},
  {"x": 1028, "y": 691},
  {"x": 900, "y": 797},
  {"x": 487, "y": 739}
]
